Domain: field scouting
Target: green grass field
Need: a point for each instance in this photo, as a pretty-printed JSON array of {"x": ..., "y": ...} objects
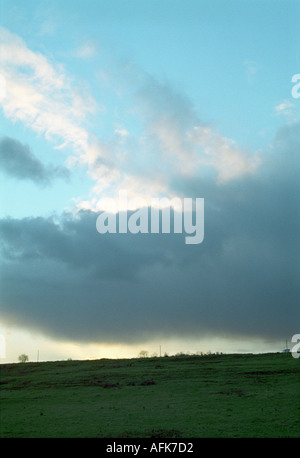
[{"x": 213, "y": 396}]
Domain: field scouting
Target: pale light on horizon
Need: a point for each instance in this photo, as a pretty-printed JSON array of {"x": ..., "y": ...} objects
[{"x": 40, "y": 348}]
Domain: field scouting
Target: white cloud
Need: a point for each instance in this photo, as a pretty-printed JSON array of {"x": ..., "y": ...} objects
[
  {"x": 221, "y": 153},
  {"x": 288, "y": 110},
  {"x": 86, "y": 50},
  {"x": 284, "y": 106},
  {"x": 189, "y": 146},
  {"x": 122, "y": 132},
  {"x": 39, "y": 94}
]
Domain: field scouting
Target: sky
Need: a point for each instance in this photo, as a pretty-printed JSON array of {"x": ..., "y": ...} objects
[{"x": 169, "y": 98}]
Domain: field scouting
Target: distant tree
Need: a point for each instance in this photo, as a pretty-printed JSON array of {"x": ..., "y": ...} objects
[
  {"x": 23, "y": 358},
  {"x": 143, "y": 354}
]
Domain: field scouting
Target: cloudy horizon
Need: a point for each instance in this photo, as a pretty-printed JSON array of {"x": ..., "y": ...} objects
[{"x": 160, "y": 102}]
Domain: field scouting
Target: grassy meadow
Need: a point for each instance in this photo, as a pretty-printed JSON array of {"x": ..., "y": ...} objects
[{"x": 213, "y": 396}]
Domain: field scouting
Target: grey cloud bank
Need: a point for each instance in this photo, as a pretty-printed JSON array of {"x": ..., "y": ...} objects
[
  {"x": 64, "y": 279},
  {"x": 17, "y": 160}
]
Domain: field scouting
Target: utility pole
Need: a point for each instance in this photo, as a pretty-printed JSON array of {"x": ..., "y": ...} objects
[
  {"x": 160, "y": 350},
  {"x": 38, "y": 355}
]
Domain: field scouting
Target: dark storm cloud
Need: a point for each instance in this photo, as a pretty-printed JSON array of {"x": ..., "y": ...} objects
[
  {"x": 17, "y": 160},
  {"x": 66, "y": 279}
]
